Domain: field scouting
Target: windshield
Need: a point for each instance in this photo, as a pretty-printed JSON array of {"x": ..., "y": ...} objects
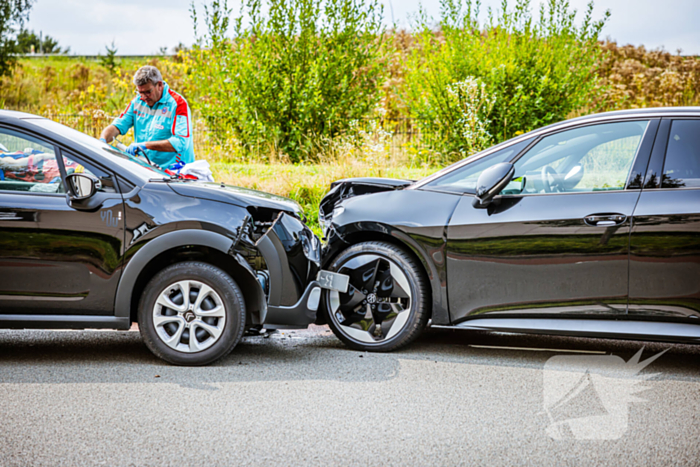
[{"x": 136, "y": 164}]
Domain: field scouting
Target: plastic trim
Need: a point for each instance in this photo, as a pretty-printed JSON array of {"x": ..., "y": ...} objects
[
  {"x": 621, "y": 329},
  {"x": 298, "y": 315},
  {"x": 63, "y": 322}
]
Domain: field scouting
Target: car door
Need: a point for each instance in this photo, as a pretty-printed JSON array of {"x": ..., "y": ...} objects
[
  {"x": 556, "y": 242},
  {"x": 54, "y": 258},
  {"x": 665, "y": 239}
]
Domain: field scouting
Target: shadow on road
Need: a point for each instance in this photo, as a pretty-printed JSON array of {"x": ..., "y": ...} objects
[{"x": 98, "y": 357}]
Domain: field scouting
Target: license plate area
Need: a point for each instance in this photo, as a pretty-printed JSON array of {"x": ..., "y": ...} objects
[{"x": 333, "y": 281}]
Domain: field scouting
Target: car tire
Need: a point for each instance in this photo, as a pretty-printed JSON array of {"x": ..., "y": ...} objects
[
  {"x": 380, "y": 300},
  {"x": 191, "y": 313}
]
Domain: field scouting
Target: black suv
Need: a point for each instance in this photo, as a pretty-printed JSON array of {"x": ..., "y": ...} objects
[{"x": 93, "y": 238}]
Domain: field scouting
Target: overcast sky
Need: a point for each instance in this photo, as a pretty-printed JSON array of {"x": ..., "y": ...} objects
[{"x": 143, "y": 27}]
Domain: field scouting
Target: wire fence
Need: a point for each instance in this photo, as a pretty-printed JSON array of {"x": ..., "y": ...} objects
[{"x": 393, "y": 138}]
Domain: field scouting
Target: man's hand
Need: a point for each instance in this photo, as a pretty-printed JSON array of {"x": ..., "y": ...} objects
[
  {"x": 109, "y": 133},
  {"x": 135, "y": 147}
]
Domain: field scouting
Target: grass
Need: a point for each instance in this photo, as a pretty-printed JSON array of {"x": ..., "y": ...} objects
[{"x": 306, "y": 184}]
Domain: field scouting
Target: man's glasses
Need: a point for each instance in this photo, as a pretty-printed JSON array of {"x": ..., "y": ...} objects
[{"x": 146, "y": 93}]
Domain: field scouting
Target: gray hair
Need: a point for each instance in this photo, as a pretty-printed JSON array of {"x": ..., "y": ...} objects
[{"x": 147, "y": 73}]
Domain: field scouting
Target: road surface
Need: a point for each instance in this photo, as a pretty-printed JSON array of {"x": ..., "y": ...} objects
[{"x": 301, "y": 398}]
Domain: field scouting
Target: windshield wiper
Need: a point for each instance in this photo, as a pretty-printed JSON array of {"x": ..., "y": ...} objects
[{"x": 122, "y": 147}]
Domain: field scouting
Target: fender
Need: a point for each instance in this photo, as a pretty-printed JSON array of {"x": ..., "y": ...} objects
[
  {"x": 153, "y": 248},
  {"x": 438, "y": 284}
]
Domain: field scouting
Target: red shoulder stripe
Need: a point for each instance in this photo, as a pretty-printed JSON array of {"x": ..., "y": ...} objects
[
  {"x": 180, "y": 111},
  {"x": 181, "y": 103},
  {"x": 125, "y": 110}
]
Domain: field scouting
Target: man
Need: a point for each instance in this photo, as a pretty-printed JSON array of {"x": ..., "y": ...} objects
[{"x": 161, "y": 119}]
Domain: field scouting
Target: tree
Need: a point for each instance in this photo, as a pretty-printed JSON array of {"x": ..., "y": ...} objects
[
  {"x": 13, "y": 13},
  {"x": 109, "y": 60},
  {"x": 29, "y": 42}
]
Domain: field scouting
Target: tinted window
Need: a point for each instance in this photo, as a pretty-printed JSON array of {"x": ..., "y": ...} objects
[
  {"x": 463, "y": 180},
  {"x": 27, "y": 164},
  {"x": 591, "y": 158},
  {"x": 682, "y": 165}
]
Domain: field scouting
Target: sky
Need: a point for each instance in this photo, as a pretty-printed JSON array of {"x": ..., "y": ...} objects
[{"x": 138, "y": 27}]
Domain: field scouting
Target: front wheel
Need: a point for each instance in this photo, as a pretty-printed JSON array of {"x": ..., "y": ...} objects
[
  {"x": 386, "y": 305},
  {"x": 191, "y": 313}
]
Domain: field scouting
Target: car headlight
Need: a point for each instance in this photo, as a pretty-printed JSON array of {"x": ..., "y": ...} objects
[
  {"x": 326, "y": 222},
  {"x": 311, "y": 246},
  {"x": 338, "y": 210}
]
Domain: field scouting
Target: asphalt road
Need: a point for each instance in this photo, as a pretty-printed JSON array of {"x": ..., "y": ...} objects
[{"x": 301, "y": 398}]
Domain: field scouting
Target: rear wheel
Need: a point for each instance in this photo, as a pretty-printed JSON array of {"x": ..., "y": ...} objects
[
  {"x": 386, "y": 306},
  {"x": 191, "y": 313}
]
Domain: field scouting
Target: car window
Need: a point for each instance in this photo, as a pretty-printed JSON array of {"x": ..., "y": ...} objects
[
  {"x": 591, "y": 158},
  {"x": 463, "y": 180},
  {"x": 28, "y": 164},
  {"x": 682, "y": 165},
  {"x": 75, "y": 164}
]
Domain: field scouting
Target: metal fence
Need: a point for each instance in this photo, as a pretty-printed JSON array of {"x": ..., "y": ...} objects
[
  {"x": 394, "y": 138},
  {"x": 94, "y": 124}
]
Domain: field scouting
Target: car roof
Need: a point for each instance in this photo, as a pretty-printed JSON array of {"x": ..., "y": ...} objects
[
  {"x": 645, "y": 112},
  {"x": 10, "y": 114}
]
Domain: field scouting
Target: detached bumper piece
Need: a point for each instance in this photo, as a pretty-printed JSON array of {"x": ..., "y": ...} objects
[
  {"x": 293, "y": 256},
  {"x": 299, "y": 315}
]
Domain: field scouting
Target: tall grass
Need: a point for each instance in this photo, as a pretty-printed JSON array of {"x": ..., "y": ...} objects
[{"x": 307, "y": 184}]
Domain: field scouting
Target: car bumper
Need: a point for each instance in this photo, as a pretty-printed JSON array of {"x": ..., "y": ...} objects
[{"x": 293, "y": 255}]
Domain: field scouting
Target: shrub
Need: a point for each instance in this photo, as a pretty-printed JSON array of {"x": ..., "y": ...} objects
[
  {"x": 533, "y": 72},
  {"x": 633, "y": 77},
  {"x": 293, "y": 77}
]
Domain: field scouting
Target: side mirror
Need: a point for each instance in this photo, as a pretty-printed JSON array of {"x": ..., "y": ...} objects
[
  {"x": 82, "y": 185},
  {"x": 491, "y": 182}
]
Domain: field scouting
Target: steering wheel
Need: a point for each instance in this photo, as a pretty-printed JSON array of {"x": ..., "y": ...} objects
[{"x": 545, "y": 174}]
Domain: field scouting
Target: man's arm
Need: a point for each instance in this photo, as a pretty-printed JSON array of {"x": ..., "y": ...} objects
[
  {"x": 109, "y": 133},
  {"x": 162, "y": 145},
  {"x": 120, "y": 125}
]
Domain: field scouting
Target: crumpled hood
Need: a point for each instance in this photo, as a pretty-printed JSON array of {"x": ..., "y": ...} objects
[
  {"x": 231, "y": 194},
  {"x": 351, "y": 187}
]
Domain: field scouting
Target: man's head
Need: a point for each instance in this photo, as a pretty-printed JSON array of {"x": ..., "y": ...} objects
[{"x": 149, "y": 84}]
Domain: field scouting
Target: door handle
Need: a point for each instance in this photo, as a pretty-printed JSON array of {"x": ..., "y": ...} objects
[{"x": 605, "y": 220}]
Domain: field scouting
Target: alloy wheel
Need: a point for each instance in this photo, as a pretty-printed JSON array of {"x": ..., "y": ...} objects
[
  {"x": 378, "y": 302},
  {"x": 189, "y": 316}
]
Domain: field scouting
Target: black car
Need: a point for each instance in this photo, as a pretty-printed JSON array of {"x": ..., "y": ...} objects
[
  {"x": 91, "y": 237},
  {"x": 589, "y": 227}
]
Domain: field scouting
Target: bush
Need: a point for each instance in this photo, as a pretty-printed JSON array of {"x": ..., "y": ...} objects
[
  {"x": 293, "y": 77},
  {"x": 633, "y": 77},
  {"x": 529, "y": 73}
]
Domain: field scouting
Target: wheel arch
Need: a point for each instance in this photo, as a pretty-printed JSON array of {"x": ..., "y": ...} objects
[{"x": 187, "y": 245}]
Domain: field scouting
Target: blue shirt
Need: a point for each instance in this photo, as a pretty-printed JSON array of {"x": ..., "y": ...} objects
[{"x": 169, "y": 119}]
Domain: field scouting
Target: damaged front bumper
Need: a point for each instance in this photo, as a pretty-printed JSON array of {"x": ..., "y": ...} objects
[{"x": 292, "y": 279}]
